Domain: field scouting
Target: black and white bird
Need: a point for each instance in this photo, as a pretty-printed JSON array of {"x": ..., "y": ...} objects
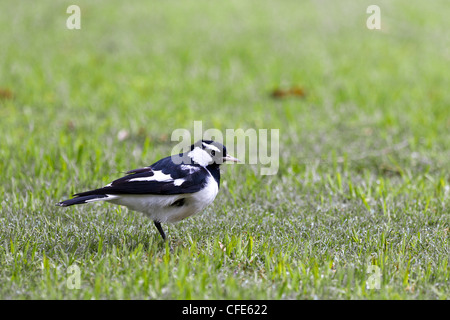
[{"x": 169, "y": 190}]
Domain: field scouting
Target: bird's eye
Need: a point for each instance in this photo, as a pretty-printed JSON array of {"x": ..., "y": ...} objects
[{"x": 213, "y": 153}]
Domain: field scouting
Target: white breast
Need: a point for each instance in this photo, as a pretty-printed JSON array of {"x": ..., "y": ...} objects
[{"x": 207, "y": 195}]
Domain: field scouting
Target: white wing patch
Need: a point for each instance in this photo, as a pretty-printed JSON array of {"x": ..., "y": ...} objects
[
  {"x": 157, "y": 176},
  {"x": 108, "y": 198},
  {"x": 178, "y": 182},
  {"x": 191, "y": 169}
]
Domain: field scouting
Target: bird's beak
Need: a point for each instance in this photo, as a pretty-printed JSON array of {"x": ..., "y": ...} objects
[{"x": 230, "y": 158}]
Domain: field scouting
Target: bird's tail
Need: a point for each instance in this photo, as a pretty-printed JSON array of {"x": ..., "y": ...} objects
[{"x": 85, "y": 199}]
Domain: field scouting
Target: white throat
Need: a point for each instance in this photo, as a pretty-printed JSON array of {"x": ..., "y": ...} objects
[{"x": 200, "y": 156}]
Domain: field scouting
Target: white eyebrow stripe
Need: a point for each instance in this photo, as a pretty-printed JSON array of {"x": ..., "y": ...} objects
[
  {"x": 211, "y": 147},
  {"x": 157, "y": 176}
]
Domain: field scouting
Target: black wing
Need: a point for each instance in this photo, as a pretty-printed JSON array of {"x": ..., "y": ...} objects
[
  {"x": 140, "y": 170},
  {"x": 163, "y": 178}
]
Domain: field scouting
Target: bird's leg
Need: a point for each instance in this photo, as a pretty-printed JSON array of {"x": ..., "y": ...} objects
[
  {"x": 160, "y": 229},
  {"x": 163, "y": 235}
]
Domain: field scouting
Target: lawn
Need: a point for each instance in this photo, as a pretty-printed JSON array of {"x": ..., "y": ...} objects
[{"x": 359, "y": 206}]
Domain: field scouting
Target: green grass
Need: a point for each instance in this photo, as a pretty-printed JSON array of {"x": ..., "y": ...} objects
[{"x": 364, "y": 157}]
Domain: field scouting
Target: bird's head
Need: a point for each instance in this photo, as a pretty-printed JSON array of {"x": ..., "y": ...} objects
[{"x": 208, "y": 152}]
